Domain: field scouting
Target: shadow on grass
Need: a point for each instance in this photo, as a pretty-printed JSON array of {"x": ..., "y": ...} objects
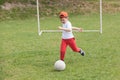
[{"x": 53, "y": 70}]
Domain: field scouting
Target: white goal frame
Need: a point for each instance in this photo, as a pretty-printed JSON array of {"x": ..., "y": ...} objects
[{"x": 41, "y": 31}]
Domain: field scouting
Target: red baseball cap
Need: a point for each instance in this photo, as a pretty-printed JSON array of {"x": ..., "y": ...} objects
[{"x": 63, "y": 14}]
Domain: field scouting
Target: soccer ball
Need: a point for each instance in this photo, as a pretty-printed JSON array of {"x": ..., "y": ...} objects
[{"x": 59, "y": 65}]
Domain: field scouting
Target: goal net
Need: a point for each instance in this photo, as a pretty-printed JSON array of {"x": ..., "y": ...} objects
[{"x": 90, "y": 18}]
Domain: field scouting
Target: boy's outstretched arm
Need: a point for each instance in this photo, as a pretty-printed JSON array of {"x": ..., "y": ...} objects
[
  {"x": 65, "y": 29},
  {"x": 76, "y": 28}
]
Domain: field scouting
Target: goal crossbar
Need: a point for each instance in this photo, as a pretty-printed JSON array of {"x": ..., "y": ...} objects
[
  {"x": 54, "y": 31},
  {"x": 41, "y": 31}
]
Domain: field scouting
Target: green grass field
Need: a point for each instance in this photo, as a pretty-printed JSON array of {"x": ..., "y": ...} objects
[{"x": 26, "y": 56}]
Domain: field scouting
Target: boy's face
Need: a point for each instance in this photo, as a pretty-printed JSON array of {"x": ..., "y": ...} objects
[{"x": 63, "y": 20}]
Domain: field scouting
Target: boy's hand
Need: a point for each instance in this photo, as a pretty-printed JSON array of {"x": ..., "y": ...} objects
[
  {"x": 60, "y": 28},
  {"x": 80, "y": 29}
]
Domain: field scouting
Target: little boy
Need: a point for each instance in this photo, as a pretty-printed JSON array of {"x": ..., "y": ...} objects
[{"x": 67, "y": 36}]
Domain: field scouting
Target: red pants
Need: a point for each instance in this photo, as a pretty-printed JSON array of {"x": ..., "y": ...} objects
[{"x": 65, "y": 42}]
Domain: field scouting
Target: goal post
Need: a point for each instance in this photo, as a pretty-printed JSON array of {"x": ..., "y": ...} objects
[
  {"x": 41, "y": 31},
  {"x": 38, "y": 18},
  {"x": 101, "y": 16}
]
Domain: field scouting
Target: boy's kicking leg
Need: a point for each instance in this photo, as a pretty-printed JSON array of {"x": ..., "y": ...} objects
[{"x": 74, "y": 47}]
